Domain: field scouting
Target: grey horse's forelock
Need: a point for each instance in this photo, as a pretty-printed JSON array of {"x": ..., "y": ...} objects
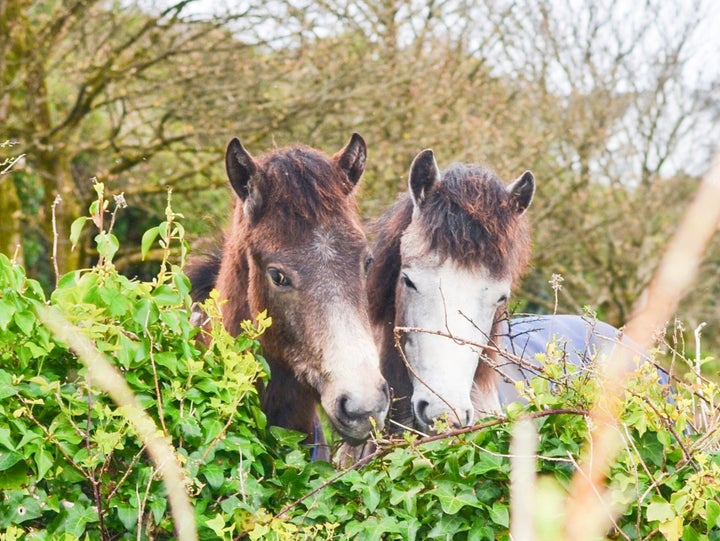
[{"x": 469, "y": 218}]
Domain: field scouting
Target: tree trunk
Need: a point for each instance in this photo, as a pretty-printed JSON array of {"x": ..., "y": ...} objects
[{"x": 9, "y": 218}]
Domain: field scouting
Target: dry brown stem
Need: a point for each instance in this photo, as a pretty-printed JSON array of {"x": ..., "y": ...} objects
[
  {"x": 587, "y": 517},
  {"x": 104, "y": 376}
]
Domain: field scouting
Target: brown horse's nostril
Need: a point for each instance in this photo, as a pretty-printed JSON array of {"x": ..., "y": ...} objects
[
  {"x": 358, "y": 413},
  {"x": 347, "y": 410}
]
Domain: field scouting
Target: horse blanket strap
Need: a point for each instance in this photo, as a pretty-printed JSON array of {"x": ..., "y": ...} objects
[{"x": 319, "y": 449}]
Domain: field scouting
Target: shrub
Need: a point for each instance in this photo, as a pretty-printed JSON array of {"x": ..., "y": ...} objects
[{"x": 71, "y": 466}]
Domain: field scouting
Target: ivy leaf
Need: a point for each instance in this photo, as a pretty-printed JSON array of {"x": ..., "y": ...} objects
[
  {"x": 217, "y": 525},
  {"x": 672, "y": 529},
  {"x": 7, "y": 389},
  {"x": 128, "y": 515},
  {"x": 28, "y": 509},
  {"x": 6, "y": 312},
  {"x": 165, "y": 295},
  {"x": 181, "y": 282},
  {"x": 450, "y": 501},
  {"x": 480, "y": 532},
  {"x": 487, "y": 462},
  {"x": 158, "y": 507},
  {"x": 499, "y": 514},
  {"x": 146, "y": 312},
  {"x": 371, "y": 497},
  {"x": 14, "y": 478},
  {"x": 44, "y": 461},
  {"x": 214, "y": 474},
  {"x": 25, "y": 322},
  {"x": 9, "y": 459},
  {"x": 168, "y": 360},
  {"x": 5, "y": 434},
  {"x": 712, "y": 510},
  {"x": 660, "y": 510}
]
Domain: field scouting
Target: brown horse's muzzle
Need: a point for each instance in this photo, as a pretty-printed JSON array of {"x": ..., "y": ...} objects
[{"x": 355, "y": 414}]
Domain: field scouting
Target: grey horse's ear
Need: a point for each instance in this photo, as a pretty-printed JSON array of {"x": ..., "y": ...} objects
[
  {"x": 424, "y": 173},
  {"x": 352, "y": 158},
  {"x": 241, "y": 171},
  {"x": 521, "y": 192}
]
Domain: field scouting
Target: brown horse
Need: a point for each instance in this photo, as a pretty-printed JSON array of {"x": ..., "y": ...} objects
[{"x": 296, "y": 249}]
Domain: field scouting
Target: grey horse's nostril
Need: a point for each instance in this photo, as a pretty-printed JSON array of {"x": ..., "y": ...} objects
[
  {"x": 386, "y": 390},
  {"x": 421, "y": 411},
  {"x": 463, "y": 418}
]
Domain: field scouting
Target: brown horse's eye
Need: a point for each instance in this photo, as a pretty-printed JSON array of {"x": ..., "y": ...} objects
[
  {"x": 369, "y": 260},
  {"x": 278, "y": 277}
]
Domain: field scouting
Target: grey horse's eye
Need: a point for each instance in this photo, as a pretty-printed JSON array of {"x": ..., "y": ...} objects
[
  {"x": 278, "y": 277},
  {"x": 407, "y": 282},
  {"x": 502, "y": 299}
]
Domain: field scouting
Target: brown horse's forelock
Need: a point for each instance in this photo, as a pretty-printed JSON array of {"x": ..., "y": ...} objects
[
  {"x": 470, "y": 219},
  {"x": 304, "y": 185}
]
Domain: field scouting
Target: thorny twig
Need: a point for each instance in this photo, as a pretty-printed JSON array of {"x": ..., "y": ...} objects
[
  {"x": 397, "y": 335},
  {"x": 394, "y": 444}
]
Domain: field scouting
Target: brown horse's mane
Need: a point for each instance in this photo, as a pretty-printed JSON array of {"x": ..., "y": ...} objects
[
  {"x": 202, "y": 273},
  {"x": 381, "y": 282},
  {"x": 285, "y": 186}
]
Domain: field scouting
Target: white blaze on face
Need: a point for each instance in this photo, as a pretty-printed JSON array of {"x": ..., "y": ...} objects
[
  {"x": 355, "y": 388},
  {"x": 440, "y": 296}
]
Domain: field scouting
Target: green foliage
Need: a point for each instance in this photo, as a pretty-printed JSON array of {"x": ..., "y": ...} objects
[
  {"x": 69, "y": 463},
  {"x": 72, "y": 468}
]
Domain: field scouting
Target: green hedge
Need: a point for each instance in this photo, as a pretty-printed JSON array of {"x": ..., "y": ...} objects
[{"x": 71, "y": 467}]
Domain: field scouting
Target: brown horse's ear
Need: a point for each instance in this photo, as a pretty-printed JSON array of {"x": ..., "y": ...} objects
[
  {"x": 352, "y": 158},
  {"x": 424, "y": 173},
  {"x": 521, "y": 192},
  {"x": 241, "y": 169}
]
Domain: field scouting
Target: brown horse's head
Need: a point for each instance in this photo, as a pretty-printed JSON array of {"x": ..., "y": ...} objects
[{"x": 296, "y": 249}]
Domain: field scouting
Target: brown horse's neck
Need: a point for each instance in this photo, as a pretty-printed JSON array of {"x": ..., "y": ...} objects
[
  {"x": 396, "y": 374},
  {"x": 285, "y": 401},
  {"x": 393, "y": 367},
  {"x": 288, "y": 403}
]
